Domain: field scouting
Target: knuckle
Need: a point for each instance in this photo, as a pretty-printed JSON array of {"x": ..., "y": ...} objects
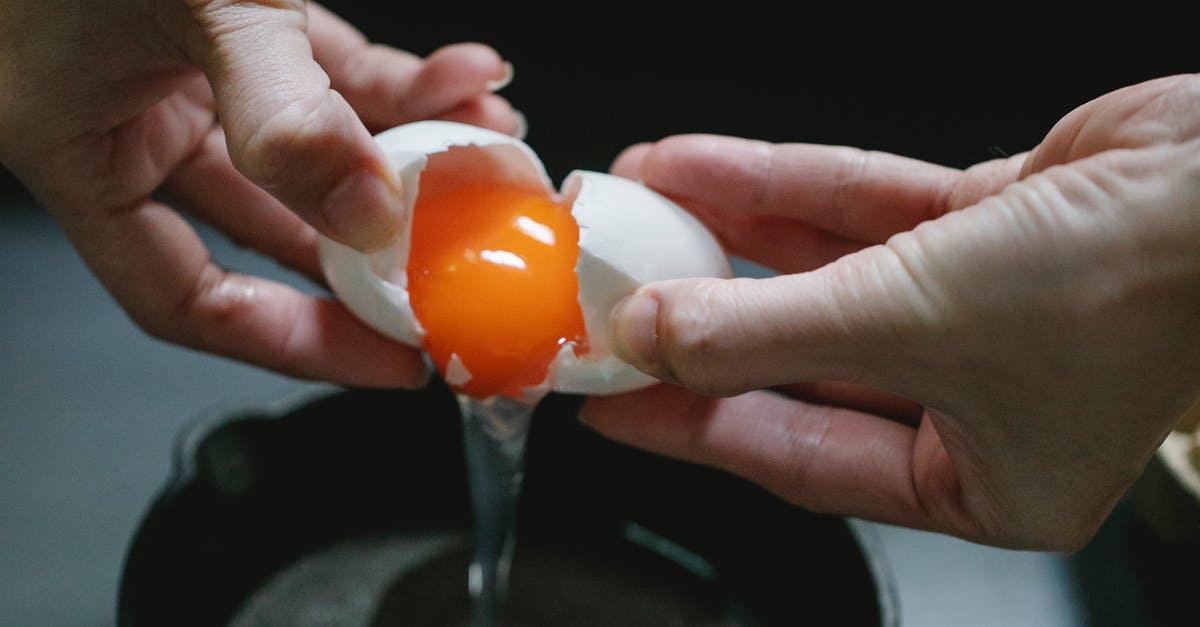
[
  {"x": 209, "y": 25},
  {"x": 762, "y": 174},
  {"x": 847, "y": 183},
  {"x": 793, "y": 479},
  {"x": 264, "y": 153},
  {"x": 692, "y": 341},
  {"x": 220, "y": 304},
  {"x": 214, "y": 303},
  {"x": 297, "y": 151},
  {"x": 219, "y": 8},
  {"x": 162, "y": 316}
]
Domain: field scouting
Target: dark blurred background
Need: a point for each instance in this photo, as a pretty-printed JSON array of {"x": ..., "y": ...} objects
[{"x": 947, "y": 87}]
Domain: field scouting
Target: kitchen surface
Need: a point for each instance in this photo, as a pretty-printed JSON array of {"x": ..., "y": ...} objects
[{"x": 90, "y": 407}]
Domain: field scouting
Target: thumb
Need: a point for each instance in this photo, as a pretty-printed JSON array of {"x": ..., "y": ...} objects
[
  {"x": 854, "y": 320},
  {"x": 286, "y": 130}
]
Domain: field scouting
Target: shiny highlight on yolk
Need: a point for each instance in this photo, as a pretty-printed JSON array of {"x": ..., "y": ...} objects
[{"x": 491, "y": 278}]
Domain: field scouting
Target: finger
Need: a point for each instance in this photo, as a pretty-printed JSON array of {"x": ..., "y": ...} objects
[
  {"x": 1130, "y": 117},
  {"x": 210, "y": 188},
  {"x": 780, "y": 243},
  {"x": 158, "y": 270},
  {"x": 629, "y": 161},
  {"x": 453, "y": 75},
  {"x": 253, "y": 218},
  {"x": 287, "y": 131},
  {"x": 489, "y": 111},
  {"x": 822, "y": 458},
  {"x": 387, "y": 86},
  {"x": 862, "y": 318},
  {"x": 860, "y": 195},
  {"x": 857, "y": 397}
]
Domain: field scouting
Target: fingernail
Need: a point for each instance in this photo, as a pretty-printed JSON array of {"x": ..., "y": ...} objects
[
  {"x": 520, "y": 125},
  {"x": 633, "y": 331},
  {"x": 364, "y": 211},
  {"x": 503, "y": 81}
]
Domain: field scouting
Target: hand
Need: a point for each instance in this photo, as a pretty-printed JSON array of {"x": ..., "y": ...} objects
[
  {"x": 992, "y": 353},
  {"x": 253, "y": 116}
]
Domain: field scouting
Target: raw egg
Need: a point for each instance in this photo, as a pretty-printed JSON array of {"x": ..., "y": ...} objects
[{"x": 505, "y": 282}]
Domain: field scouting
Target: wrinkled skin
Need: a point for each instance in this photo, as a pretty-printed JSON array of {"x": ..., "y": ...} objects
[
  {"x": 992, "y": 353},
  {"x": 255, "y": 117}
]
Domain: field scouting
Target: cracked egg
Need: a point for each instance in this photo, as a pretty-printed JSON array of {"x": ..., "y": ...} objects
[{"x": 505, "y": 282}]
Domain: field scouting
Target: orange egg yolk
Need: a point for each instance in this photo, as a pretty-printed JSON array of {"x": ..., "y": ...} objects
[{"x": 491, "y": 278}]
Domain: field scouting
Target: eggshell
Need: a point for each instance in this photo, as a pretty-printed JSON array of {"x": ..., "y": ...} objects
[{"x": 629, "y": 235}]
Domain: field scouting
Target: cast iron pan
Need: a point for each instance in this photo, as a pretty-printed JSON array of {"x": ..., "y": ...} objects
[{"x": 350, "y": 508}]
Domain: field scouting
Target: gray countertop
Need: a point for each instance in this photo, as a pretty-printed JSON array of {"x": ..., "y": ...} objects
[{"x": 89, "y": 408}]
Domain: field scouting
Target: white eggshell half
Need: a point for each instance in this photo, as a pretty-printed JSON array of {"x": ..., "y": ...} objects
[{"x": 629, "y": 235}]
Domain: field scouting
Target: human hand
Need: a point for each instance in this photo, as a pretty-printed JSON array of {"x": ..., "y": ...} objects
[
  {"x": 255, "y": 117},
  {"x": 992, "y": 353}
]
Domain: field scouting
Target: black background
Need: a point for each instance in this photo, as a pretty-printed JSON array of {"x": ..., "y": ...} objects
[{"x": 954, "y": 87}]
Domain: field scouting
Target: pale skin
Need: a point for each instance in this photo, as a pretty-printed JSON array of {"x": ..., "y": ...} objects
[
  {"x": 992, "y": 353},
  {"x": 255, "y": 117}
]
